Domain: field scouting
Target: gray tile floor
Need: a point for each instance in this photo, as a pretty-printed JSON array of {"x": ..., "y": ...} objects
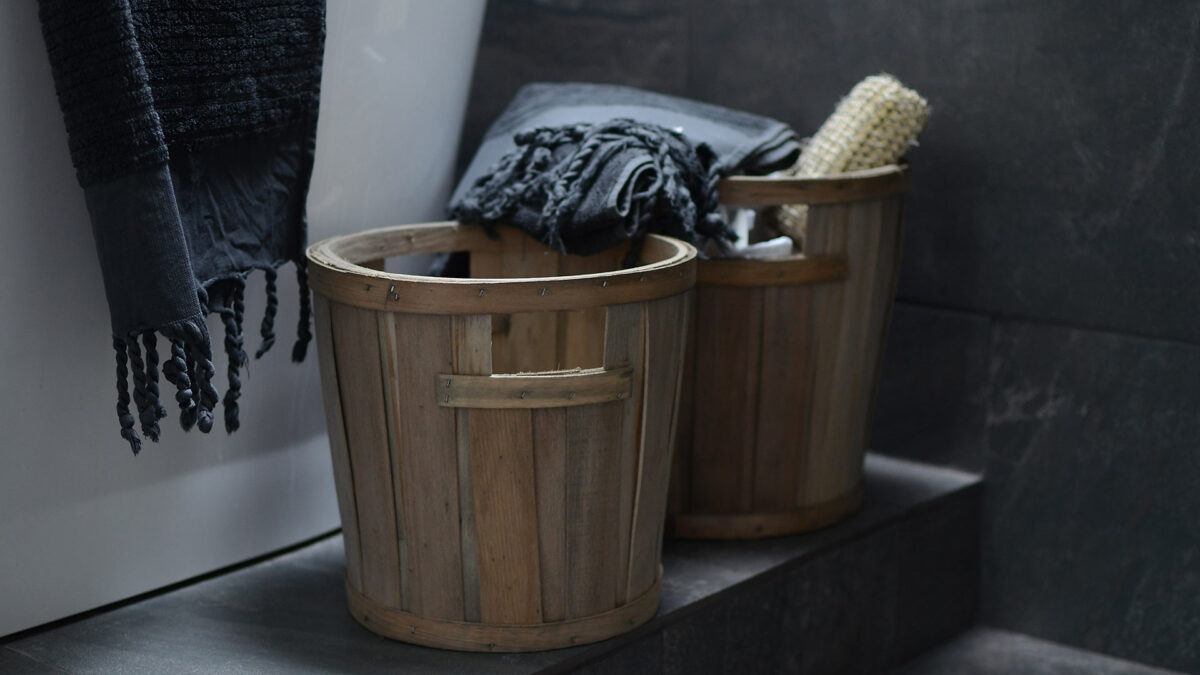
[
  {"x": 986, "y": 651},
  {"x": 288, "y": 614}
]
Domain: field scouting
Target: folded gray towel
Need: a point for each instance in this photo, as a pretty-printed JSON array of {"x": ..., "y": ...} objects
[{"x": 584, "y": 167}]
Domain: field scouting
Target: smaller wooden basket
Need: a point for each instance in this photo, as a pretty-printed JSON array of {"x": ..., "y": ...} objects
[
  {"x": 781, "y": 373},
  {"x": 501, "y": 444}
]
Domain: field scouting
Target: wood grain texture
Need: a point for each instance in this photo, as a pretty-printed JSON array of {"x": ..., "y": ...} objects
[
  {"x": 542, "y": 524},
  {"x": 818, "y": 365},
  {"x": 534, "y": 390},
  {"x": 398, "y": 240},
  {"x": 530, "y": 339},
  {"x": 390, "y": 365},
  {"x": 472, "y": 337},
  {"x": 483, "y": 637},
  {"x": 669, "y": 269},
  {"x": 506, "y": 516},
  {"x": 827, "y": 231},
  {"x": 839, "y": 433},
  {"x": 550, "y": 469},
  {"x": 783, "y": 397},
  {"x": 360, "y": 379},
  {"x": 581, "y": 331},
  {"x": 625, "y": 348},
  {"x": 428, "y": 465},
  {"x": 728, "y": 341},
  {"x": 666, "y": 340},
  {"x": 833, "y": 189},
  {"x": 679, "y": 496},
  {"x": 343, "y": 470},
  {"x": 593, "y": 481},
  {"x": 791, "y": 271},
  {"x": 760, "y": 524},
  {"x": 867, "y": 242}
]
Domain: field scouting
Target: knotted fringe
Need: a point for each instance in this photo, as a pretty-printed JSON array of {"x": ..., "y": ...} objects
[
  {"x": 178, "y": 373},
  {"x": 150, "y": 342},
  {"x": 123, "y": 415},
  {"x": 553, "y": 168},
  {"x": 268, "y": 323},
  {"x": 145, "y": 385},
  {"x": 304, "y": 329},
  {"x": 190, "y": 369},
  {"x": 236, "y": 355}
]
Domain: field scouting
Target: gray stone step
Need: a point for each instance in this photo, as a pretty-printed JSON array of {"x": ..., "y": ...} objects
[
  {"x": 871, "y": 593},
  {"x": 987, "y": 651}
]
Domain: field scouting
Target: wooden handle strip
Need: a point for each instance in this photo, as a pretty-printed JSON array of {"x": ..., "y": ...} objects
[
  {"x": 793, "y": 271},
  {"x": 832, "y": 189},
  {"x": 535, "y": 390}
]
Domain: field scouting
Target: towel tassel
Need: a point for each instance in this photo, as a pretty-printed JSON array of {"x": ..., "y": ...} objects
[
  {"x": 233, "y": 318},
  {"x": 147, "y": 404},
  {"x": 177, "y": 372},
  {"x": 123, "y": 415},
  {"x": 303, "y": 330},
  {"x": 268, "y": 323}
]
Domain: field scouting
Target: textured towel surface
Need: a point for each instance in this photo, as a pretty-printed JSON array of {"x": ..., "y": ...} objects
[
  {"x": 584, "y": 167},
  {"x": 192, "y": 127}
]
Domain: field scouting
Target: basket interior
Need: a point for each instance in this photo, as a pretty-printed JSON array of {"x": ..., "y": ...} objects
[{"x": 524, "y": 341}]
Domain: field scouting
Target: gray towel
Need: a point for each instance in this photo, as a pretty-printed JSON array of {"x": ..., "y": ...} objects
[
  {"x": 192, "y": 128},
  {"x": 584, "y": 167}
]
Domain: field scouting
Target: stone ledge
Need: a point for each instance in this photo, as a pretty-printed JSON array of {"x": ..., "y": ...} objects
[{"x": 888, "y": 584}]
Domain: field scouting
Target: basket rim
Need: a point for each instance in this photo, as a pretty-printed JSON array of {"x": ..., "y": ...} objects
[
  {"x": 838, "y": 188},
  {"x": 335, "y": 272}
]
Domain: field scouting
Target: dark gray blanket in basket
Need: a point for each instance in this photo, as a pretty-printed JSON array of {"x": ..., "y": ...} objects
[{"x": 584, "y": 167}]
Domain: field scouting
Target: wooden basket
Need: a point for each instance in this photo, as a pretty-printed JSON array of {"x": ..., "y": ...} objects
[
  {"x": 500, "y": 512},
  {"x": 781, "y": 375}
]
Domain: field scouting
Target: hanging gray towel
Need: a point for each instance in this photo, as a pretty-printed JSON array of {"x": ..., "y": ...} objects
[
  {"x": 584, "y": 167},
  {"x": 192, "y": 128}
]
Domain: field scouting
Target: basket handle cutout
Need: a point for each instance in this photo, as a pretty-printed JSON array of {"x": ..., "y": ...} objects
[{"x": 551, "y": 389}]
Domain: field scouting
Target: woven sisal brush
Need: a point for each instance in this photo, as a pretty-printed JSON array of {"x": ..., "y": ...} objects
[{"x": 873, "y": 126}]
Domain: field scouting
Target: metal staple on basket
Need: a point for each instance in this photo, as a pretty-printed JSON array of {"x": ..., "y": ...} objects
[{"x": 873, "y": 126}]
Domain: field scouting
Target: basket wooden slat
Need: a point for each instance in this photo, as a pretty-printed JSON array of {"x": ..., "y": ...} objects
[
  {"x": 785, "y": 363},
  {"x": 487, "y": 508}
]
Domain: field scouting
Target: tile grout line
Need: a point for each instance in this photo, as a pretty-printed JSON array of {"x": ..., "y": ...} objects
[{"x": 996, "y": 318}]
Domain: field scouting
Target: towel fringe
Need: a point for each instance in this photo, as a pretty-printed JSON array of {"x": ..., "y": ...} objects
[
  {"x": 147, "y": 405},
  {"x": 303, "y": 330},
  {"x": 150, "y": 344},
  {"x": 234, "y": 352},
  {"x": 189, "y": 368},
  {"x": 178, "y": 373},
  {"x": 268, "y": 323},
  {"x": 124, "y": 416}
]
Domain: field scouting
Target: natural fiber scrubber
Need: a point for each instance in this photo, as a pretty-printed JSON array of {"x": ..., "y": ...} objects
[{"x": 873, "y": 126}]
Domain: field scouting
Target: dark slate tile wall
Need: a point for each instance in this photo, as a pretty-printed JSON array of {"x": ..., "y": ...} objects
[
  {"x": 1093, "y": 463},
  {"x": 1046, "y": 329},
  {"x": 934, "y": 388},
  {"x": 639, "y": 43}
]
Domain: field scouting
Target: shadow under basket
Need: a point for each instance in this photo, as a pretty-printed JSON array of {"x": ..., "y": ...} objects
[
  {"x": 781, "y": 373},
  {"x": 502, "y": 443}
]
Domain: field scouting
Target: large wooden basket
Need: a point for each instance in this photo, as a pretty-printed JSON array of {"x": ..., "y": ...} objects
[
  {"x": 501, "y": 444},
  {"x": 781, "y": 375}
]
